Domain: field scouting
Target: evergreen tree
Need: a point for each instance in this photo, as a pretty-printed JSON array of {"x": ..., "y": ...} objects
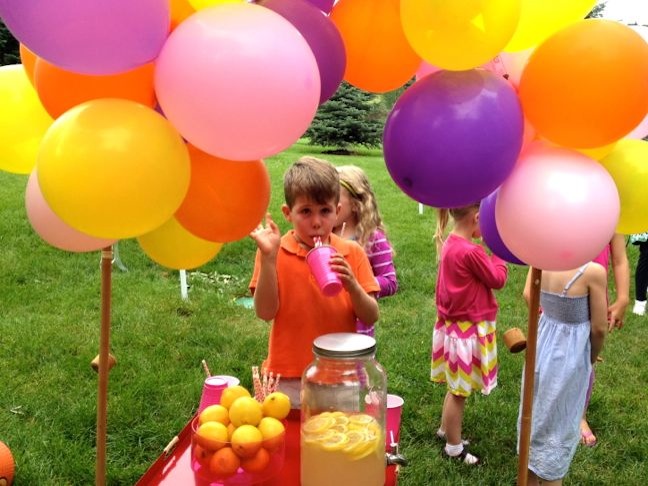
[
  {"x": 350, "y": 117},
  {"x": 9, "y": 47}
]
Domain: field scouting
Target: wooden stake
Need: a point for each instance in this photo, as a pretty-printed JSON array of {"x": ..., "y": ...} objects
[
  {"x": 529, "y": 370},
  {"x": 104, "y": 346}
]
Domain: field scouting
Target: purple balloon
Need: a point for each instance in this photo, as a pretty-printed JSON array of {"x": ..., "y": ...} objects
[
  {"x": 322, "y": 36},
  {"x": 324, "y": 5},
  {"x": 490, "y": 234},
  {"x": 453, "y": 137},
  {"x": 90, "y": 37}
]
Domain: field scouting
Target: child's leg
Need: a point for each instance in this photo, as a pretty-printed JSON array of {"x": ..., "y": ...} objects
[
  {"x": 452, "y": 418},
  {"x": 533, "y": 480},
  {"x": 587, "y": 436}
]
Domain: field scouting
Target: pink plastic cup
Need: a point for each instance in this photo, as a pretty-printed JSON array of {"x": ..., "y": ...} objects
[
  {"x": 318, "y": 260},
  {"x": 394, "y": 412},
  {"x": 213, "y": 389}
]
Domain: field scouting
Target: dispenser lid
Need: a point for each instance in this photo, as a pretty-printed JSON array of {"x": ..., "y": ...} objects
[{"x": 344, "y": 345}]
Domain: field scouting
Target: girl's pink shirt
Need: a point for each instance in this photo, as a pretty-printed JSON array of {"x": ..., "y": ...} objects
[{"x": 465, "y": 281}]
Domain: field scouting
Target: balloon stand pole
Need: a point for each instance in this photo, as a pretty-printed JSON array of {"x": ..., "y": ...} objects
[
  {"x": 420, "y": 208},
  {"x": 116, "y": 258},
  {"x": 104, "y": 346},
  {"x": 529, "y": 370},
  {"x": 184, "y": 289}
]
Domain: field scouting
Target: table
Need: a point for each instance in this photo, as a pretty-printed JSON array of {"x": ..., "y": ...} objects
[{"x": 173, "y": 467}]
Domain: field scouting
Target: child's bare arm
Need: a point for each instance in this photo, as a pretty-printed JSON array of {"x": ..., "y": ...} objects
[
  {"x": 266, "y": 293},
  {"x": 365, "y": 305},
  {"x": 526, "y": 293},
  {"x": 598, "y": 308}
]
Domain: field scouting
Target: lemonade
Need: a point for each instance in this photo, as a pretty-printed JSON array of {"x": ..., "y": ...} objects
[{"x": 340, "y": 448}]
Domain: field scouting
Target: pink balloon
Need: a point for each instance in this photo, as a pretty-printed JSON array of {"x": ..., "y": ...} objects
[
  {"x": 557, "y": 209},
  {"x": 238, "y": 81},
  {"x": 513, "y": 63},
  {"x": 51, "y": 228},
  {"x": 426, "y": 69}
]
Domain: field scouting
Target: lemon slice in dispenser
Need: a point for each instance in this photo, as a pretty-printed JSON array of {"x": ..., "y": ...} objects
[
  {"x": 318, "y": 424},
  {"x": 335, "y": 441},
  {"x": 360, "y": 420}
]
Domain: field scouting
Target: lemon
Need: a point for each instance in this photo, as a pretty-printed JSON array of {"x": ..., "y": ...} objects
[
  {"x": 276, "y": 405},
  {"x": 318, "y": 424},
  {"x": 231, "y": 393},
  {"x": 361, "y": 419},
  {"x": 245, "y": 411},
  {"x": 318, "y": 437},
  {"x": 356, "y": 441},
  {"x": 335, "y": 441}
]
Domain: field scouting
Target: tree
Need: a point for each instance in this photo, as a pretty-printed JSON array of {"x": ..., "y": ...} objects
[
  {"x": 597, "y": 11},
  {"x": 9, "y": 47},
  {"x": 350, "y": 117}
]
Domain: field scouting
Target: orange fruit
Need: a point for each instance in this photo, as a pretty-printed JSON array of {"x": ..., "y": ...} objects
[
  {"x": 231, "y": 393},
  {"x": 214, "y": 413},
  {"x": 202, "y": 455},
  {"x": 257, "y": 463},
  {"x": 245, "y": 411},
  {"x": 246, "y": 440},
  {"x": 272, "y": 431},
  {"x": 211, "y": 435},
  {"x": 276, "y": 405},
  {"x": 224, "y": 463}
]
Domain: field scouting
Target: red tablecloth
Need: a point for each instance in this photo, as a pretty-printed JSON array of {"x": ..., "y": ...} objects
[{"x": 174, "y": 468}]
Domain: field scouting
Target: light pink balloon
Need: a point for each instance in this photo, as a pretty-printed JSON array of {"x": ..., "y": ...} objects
[
  {"x": 513, "y": 64},
  {"x": 51, "y": 228},
  {"x": 558, "y": 208},
  {"x": 238, "y": 81}
]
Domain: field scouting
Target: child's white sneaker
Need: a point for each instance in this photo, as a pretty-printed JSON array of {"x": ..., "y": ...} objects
[{"x": 639, "y": 307}]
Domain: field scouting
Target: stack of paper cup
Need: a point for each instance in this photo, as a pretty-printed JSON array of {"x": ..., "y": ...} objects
[{"x": 213, "y": 389}]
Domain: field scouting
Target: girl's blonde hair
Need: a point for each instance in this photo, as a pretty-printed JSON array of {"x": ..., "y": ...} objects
[
  {"x": 354, "y": 180},
  {"x": 442, "y": 222}
]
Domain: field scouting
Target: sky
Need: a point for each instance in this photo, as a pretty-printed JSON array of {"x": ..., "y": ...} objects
[{"x": 627, "y": 11}]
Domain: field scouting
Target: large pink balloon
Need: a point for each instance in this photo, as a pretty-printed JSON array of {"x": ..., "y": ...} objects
[
  {"x": 557, "y": 209},
  {"x": 51, "y": 228},
  {"x": 238, "y": 81},
  {"x": 90, "y": 37}
]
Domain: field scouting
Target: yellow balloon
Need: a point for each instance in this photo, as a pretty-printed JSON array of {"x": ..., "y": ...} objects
[
  {"x": 23, "y": 121},
  {"x": 598, "y": 153},
  {"x": 539, "y": 19},
  {"x": 172, "y": 246},
  {"x": 628, "y": 166},
  {"x": 459, "y": 35},
  {"x": 112, "y": 168},
  {"x": 200, "y": 4}
]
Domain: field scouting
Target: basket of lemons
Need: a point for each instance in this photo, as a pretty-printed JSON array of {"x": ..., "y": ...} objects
[{"x": 241, "y": 440}]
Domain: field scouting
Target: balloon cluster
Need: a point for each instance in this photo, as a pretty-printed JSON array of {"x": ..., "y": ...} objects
[
  {"x": 523, "y": 105},
  {"x": 150, "y": 119}
]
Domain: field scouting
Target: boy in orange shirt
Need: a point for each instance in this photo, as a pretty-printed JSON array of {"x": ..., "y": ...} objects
[{"x": 284, "y": 289}]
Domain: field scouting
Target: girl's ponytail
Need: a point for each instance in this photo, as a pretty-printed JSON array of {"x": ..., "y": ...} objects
[{"x": 442, "y": 222}]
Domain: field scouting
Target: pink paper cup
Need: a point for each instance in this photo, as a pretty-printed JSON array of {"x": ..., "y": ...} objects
[
  {"x": 394, "y": 412},
  {"x": 318, "y": 260},
  {"x": 212, "y": 391}
]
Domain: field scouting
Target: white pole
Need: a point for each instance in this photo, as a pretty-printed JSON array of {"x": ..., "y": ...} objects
[
  {"x": 184, "y": 290},
  {"x": 420, "y": 208}
]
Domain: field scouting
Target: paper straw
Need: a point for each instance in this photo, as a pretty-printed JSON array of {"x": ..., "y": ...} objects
[
  {"x": 258, "y": 392},
  {"x": 206, "y": 368},
  {"x": 343, "y": 228}
]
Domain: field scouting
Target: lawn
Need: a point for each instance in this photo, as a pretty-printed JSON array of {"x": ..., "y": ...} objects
[{"x": 49, "y": 333}]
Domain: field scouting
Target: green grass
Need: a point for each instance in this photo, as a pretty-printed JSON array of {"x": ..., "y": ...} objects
[{"x": 49, "y": 333}]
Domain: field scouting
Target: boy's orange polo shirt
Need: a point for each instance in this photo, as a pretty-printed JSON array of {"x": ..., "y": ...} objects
[{"x": 304, "y": 312}]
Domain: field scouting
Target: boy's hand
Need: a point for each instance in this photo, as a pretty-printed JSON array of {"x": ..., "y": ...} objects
[
  {"x": 340, "y": 266},
  {"x": 267, "y": 238}
]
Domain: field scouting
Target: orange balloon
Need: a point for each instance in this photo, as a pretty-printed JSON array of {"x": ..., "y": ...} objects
[
  {"x": 59, "y": 90},
  {"x": 587, "y": 85},
  {"x": 180, "y": 10},
  {"x": 379, "y": 57},
  {"x": 28, "y": 59},
  {"x": 226, "y": 199}
]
